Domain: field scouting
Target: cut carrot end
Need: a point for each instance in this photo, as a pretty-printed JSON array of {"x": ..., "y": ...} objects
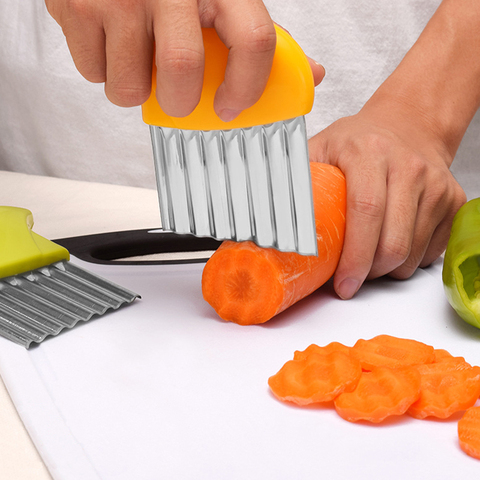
[{"x": 230, "y": 283}]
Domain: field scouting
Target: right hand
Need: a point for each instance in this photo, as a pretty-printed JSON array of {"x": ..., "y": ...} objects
[{"x": 111, "y": 42}]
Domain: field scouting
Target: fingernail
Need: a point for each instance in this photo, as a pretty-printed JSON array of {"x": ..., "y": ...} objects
[
  {"x": 348, "y": 288},
  {"x": 227, "y": 114}
]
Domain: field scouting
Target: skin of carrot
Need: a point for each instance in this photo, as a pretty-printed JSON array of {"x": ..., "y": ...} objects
[
  {"x": 247, "y": 284},
  {"x": 469, "y": 432}
]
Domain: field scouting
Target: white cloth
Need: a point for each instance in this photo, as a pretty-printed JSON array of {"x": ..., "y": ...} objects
[{"x": 53, "y": 122}]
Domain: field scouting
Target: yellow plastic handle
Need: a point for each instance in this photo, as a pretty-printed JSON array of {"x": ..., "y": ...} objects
[
  {"x": 289, "y": 92},
  {"x": 21, "y": 249}
]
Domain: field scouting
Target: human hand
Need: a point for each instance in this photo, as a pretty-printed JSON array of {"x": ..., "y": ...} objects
[
  {"x": 401, "y": 196},
  {"x": 112, "y": 41}
]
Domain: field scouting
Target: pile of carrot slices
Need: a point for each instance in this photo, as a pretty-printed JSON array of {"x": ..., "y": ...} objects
[{"x": 385, "y": 376}]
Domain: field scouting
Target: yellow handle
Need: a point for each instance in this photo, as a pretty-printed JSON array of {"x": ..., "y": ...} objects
[
  {"x": 22, "y": 250},
  {"x": 289, "y": 92}
]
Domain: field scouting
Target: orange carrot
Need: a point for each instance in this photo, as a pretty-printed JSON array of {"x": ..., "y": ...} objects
[
  {"x": 315, "y": 378},
  {"x": 379, "y": 394},
  {"x": 331, "y": 347},
  {"x": 442, "y": 355},
  {"x": 469, "y": 432},
  {"x": 247, "y": 284},
  {"x": 388, "y": 351},
  {"x": 446, "y": 387}
]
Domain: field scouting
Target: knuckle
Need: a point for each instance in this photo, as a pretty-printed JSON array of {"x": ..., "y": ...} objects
[
  {"x": 260, "y": 39},
  {"x": 126, "y": 94},
  {"x": 459, "y": 198},
  {"x": 444, "y": 193},
  {"x": 435, "y": 197},
  {"x": 71, "y": 14},
  {"x": 90, "y": 8},
  {"x": 403, "y": 272},
  {"x": 374, "y": 141},
  {"x": 80, "y": 8},
  {"x": 395, "y": 249},
  {"x": 367, "y": 205},
  {"x": 179, "y": 61},
  {"x": 367, "y": 147},
  {"x": 417, "y": 167}
]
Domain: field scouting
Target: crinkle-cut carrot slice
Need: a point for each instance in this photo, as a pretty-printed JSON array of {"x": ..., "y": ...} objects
[
  {"x": 388, "y": 351},
  {"x": 469, "y": 432},
  {"x": 315, "y": 378},
  {"x": 313, "y": 348},
  {"x": 446, "y": 388},
  {"x": 379, "y": 394},
  {"x": 442, "y": 355}
]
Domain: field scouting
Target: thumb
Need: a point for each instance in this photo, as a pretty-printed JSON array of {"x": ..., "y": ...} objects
[{"x": 317, "y": 70}]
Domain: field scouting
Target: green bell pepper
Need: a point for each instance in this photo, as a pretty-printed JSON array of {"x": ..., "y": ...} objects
[{"x": 461, "y": 265}]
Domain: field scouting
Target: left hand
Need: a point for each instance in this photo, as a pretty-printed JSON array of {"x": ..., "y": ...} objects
[{"x": 401, "y": 196}]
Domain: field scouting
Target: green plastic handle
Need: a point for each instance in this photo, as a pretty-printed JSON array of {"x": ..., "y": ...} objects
[{"x": 21, "y": 249}]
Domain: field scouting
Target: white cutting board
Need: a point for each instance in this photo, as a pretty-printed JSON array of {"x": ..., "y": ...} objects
[{"x": 163, "y": 389}]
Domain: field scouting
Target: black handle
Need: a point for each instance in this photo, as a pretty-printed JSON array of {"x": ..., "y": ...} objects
[{"x": 112, "y": 247}]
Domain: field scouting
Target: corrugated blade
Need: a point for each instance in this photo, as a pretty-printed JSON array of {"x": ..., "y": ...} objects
[
  {"x": 47, "y": 300},
  {"x": 242, "y": 184}
]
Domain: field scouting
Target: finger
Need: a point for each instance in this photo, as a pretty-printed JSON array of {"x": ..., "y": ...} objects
[
  {"x": 441, "y": 235},
  {"x": 248, "y": 32},
  {"x": 179, "y": 56},
  {"x": 435, "y": 248},
  {"x": 86, "y": 41},
  {"x": 432, "y": 230},
  {"x": 129, "y": 51},
  {"x": 318, "y": 71},
  {"x": 366, "y": 197},
  {"x": 399, "y": 225},
  {"x": 425, "y": 227}
]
